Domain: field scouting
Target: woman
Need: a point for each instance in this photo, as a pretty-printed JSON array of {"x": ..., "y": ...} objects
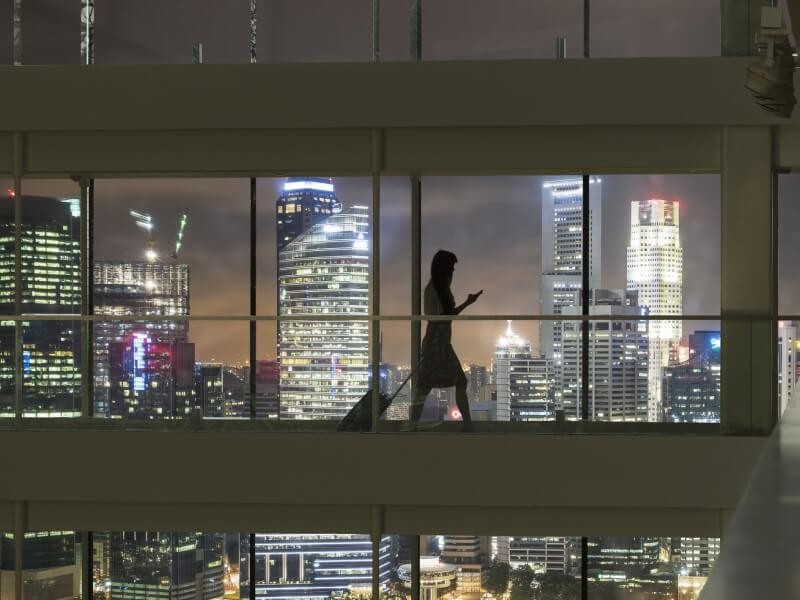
[{"x": 440, "y": 366}]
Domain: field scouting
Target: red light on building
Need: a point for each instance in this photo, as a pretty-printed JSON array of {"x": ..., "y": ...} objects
[{"x": 11, "y": 193}]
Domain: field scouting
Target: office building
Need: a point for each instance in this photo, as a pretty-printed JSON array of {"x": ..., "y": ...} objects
[
  {"x": 137, "y": 290},
  {"x": 691, "y": 389},
  {"x": 165, "y": 565},
  {"x": 324, "y": 363},
  {"x": 50, "y": 565},
  {"x": 151, "y": 379},
  {"x": 50, "y": 264},
  {"x": 618, "y": 359},
  {"x": 655, "y": 272},
  {"x": 525, "y": 383},
  {"x": 562, "y": 250},
  {"x": 210, "y": 388},
  {"x": 317, "y": 566}
]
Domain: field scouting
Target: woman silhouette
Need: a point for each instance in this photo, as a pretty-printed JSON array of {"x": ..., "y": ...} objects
[{"x": 440, "y": 366}]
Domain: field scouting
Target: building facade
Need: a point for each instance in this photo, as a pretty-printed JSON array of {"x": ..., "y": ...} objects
[
  {"x": 562, "y": 250},
  {"x": 524, "y": 382},
  {"x": 691, "y": 389},
  {"x": 788, "y": 364},
  {"x": 50, "y": 260},
  {"x": 325, "y": 272},
  {"x": 317, "y": 566},
  {"x": 618, "y": 359},
  {"x": 655, "y": 272},
  {"x": 137, "y": 290}
]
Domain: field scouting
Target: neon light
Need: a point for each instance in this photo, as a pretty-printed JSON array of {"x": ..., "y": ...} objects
[
  {"x": 292, "y": 186},
  {"x": 715, "y": 343}
]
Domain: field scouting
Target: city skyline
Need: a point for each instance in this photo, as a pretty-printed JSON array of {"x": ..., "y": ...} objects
[{"x": 216, "y": 247}]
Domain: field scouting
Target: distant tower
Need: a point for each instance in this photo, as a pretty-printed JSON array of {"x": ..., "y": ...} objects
[
  {"x": 524, "y": 382},
  {"x": 562, "y": 254},
  {"x": 655, "y": 271}
]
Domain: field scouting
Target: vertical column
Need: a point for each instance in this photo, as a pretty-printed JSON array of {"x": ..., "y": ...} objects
[
  {"x": 87, "y": 575},
  {"x": 376, "y": 532},
  {"x": 86, "y": 243},
  {"x": 16, "y": 32},
  {"x": 587, "y": 13},
  {"x": 18, "y": 171},
  {"x": 253, "y": 245},
  {"x": 749, "y": 286},
  {"x": 585, "y": 295},
  {"x": 87, "y": 32},
  {"x": 376, "y": 30},
  {"x": 251, "y": 565},
  {"x": 253, "y": 24},
  {"x": 416, "y": 30},
  {"x": 415, "y": 575},
  {"x": 375, "y": 275},
  {"x": 20, "y": 526},
  {"x": 741, "y": 20}
]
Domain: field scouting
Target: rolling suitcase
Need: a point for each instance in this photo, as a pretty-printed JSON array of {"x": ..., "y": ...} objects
[{"x": 360, "y": 416}]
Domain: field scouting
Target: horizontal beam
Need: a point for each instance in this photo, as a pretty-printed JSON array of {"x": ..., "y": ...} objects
[
  {"x": 509, "y": 93},
  {"x": 432, "y": 151},
  {"x": 598, "y": 472},
  {"x": 403, "y": 520}
]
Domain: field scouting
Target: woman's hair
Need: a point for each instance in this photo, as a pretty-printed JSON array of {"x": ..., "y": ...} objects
[{"x": 441, "y": 269}]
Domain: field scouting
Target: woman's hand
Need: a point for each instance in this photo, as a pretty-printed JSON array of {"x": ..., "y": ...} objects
[{"x": 472, "y": 298}]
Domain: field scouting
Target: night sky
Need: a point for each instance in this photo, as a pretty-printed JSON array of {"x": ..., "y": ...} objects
[{"x": 493, "y": 224}]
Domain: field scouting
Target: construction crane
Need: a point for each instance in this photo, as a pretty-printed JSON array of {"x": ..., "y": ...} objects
[
  {"x": 145, "y": 221},
  {"x": 184, "y": 220}
]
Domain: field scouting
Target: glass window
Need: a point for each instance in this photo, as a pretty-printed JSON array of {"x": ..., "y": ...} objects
[
  {"x": 504, "y": 29},
  {"x": 630, "y": 28},
  {"x": 51, "y": 565}
]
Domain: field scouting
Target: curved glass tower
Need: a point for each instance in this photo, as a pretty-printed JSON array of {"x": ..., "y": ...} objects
[{"x": 324, "y": 364}]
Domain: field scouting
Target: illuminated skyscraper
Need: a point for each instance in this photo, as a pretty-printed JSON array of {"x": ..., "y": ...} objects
[
  {"x": 135, "y": 289},
  {"x": 618, "y": 351},
  {"x": 542, "y": 554},
  {"x": 315, "y": 567},
  {"x": 691, "y": 389},
  {"x": 464, "y": 551},
  {"x": 562, "y": 252},
  {"x": 325, "y": 271},
  {"x": 51, "y": 285},
  {"x": 524, "y": 382},
  {"x": 655, "y": 271},
  {"x": 305, "y": 201},
  {"x": 209, "y": 381}
]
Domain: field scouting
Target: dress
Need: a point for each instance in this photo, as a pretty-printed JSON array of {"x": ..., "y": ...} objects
[{"x": 440, "y": 366}]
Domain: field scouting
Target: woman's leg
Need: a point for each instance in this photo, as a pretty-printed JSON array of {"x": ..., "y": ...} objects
[{"x": 462, "y": 401}]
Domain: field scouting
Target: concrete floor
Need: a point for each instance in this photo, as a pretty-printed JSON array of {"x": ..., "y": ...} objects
[{"x": 760, "y": 554}]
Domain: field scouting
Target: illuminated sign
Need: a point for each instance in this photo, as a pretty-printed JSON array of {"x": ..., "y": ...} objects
[
  {"x": 140, "y": 341},
  {"x": 293, "y": 186},
  {"x": 26, "y": 362},
  {"x": 715, "y": 343}
]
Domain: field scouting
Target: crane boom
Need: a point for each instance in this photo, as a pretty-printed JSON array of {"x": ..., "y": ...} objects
[{"x": 184, "y": 220}]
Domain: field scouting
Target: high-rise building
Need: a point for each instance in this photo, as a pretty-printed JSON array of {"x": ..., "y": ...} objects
[
  {"x": 542, "y": 554},
  {"x": 150, "y": 379},
  {"x": 788, "y": 363},
  {"x": 210, "y": 388},
  {"x": 317, "y": 566},
  {"x": 562, "y": 252},
  {"x": 525, "y": 383},
  {"x": 165, "y": 565},
  {"x": 691, "y": 390},
  {"x": 268, "y": 374},
  {"x": 618, "y": 359},
  {"x": 50, "y": 566},
  {"x": 305, "y": 201},
  {"x": 477, "y": 379},
  {"x": 50, "y": 259},
  {"x": 655, "y": 271},
  {"x": 464, "y": 551},
  {"x": 696, "y": 555},
  {"x": 324, "y": 363},
  {"x": 135, "y": 289}
]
